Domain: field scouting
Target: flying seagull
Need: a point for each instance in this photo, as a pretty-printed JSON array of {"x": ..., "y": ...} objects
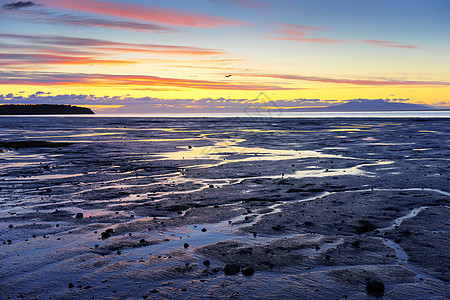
[{"x": 227, "y": 76}]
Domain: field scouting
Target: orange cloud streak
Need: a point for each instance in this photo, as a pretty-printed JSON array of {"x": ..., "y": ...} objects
[
  {"x": 124, "y": 81},
  {"x": 48, "y": 59},
  {"x": 166, "y": 50}
]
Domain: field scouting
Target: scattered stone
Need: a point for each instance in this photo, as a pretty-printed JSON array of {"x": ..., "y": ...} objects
[
  {"x": 10, "y": 225},
  {"x": 107, "y": 233},
  {"x": 71, "y": 285},
  {"x": 375, "y": 288},
  {"x": 204, "y": 230},
  {"x": 207, "y": 263},
  {"x": 277, "y": 228},
  {"x": 356, "y": 244},
  {"x": 79, "y": 216},
  {"x": 365, "y": 226},
  {"x": 186, "y": 245},
  {"x": 254, "y": 234},
  {"x": 248, "y": 271},
  {"x": 231, "y": 269},
  {"x": 154, "y": 291}
]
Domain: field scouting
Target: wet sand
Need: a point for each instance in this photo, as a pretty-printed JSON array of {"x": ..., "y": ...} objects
[{"x": 156, "y": 208}]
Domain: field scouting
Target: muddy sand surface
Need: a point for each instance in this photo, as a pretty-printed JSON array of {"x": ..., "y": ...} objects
[{"x": 190, "y": 208}]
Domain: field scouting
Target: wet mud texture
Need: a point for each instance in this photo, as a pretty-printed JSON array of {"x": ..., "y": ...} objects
[{"x": 94, "y": 208}]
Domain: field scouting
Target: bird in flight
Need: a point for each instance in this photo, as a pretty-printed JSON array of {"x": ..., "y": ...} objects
[{"x": 227, "y": 76}]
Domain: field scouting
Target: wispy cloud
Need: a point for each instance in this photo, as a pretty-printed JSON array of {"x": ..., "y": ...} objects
[
  {"x": 14, "y": 59},
  {"x": 145, "y": 13},
  {"x": 367, "y": 82},
  {"x": 104, "y": 45},
  {"x": 130, "y": 82},
  {"x": 300, "y": 33},
  {"x": 27, "y": 50},
  {"x": 390, "y": 44},
  {"x": 79, "y": 20}
]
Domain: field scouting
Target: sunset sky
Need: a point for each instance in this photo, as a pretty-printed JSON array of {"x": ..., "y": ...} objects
[{"x": 141, "y": 56}]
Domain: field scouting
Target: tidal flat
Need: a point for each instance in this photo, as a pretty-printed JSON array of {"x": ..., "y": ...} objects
[{"x": 169, "y": 208}]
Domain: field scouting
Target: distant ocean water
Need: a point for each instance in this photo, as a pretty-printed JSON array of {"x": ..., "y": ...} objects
[{"x": 276, "y": 114}]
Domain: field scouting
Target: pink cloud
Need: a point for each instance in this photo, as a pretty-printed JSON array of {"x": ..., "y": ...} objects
[
  {"x": 143, "y": 13},
  {"x": 299, "y": 33},
  {"x": 351, "y": 81},
  {"x": 390, "y": 44}
]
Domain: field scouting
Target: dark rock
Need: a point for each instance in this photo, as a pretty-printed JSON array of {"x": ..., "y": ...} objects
[
  {"x": 248, "y": 271},
  {"x": 277, "y": 228},
  {"x": 307, "y": 223},
  {"x": 375, "y": 288},
  {"x": 71, "y": 285},
  {"x": 10, "y": 226},
  {"x": 365, "y": 226},
  {"x": 356, "y": 244},
  {"x": 105, "y": 235},
  {"x": 204, "y": 230},
  {"x": 186, "y": 245},
  {"x": 231, "y": 269},
  {"x": 207, "y": 263},
  {"x": 79, "y": 216}
]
